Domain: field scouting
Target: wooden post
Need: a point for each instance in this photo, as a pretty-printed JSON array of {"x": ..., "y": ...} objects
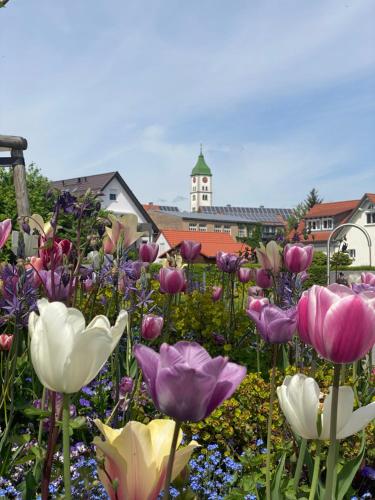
[{"x": 19, "y": 179}]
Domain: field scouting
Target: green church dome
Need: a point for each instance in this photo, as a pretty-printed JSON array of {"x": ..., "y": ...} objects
[{"x": 201, "y": 167}]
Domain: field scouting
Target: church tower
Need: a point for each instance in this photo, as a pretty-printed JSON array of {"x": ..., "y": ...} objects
[{"x": 201, "y": 185}]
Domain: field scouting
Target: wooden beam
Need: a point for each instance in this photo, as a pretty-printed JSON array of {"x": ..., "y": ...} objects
[
  {"x": 9, "y": 142},
  {"x": 19, "y": 180},
  {"x": 6, "y": 162}
]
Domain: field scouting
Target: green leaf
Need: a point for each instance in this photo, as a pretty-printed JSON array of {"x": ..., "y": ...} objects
[
  {"x": 275, "y": 486},
  {"x": 346, "y": 475},
  {"x": 35, "y": 412},
  {"x": 77, "y": 423}
]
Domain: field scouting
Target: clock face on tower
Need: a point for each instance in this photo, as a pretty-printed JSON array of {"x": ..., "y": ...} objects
[
  {"x": 205, "y": 179},
  {"x": 194, "y": 179}
]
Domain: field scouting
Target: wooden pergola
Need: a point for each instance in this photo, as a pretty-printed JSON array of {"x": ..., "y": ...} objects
[{"x": 16, "y": 146}]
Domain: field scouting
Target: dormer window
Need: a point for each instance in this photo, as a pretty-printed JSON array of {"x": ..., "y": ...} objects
[
  {"x": 327, "y": 223},
  {"x": 113, "y": 196}
]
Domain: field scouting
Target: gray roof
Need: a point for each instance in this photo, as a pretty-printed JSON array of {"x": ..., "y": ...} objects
[
  {"x": 81, "y": 184},
  {"x": 245, "y": 215}
]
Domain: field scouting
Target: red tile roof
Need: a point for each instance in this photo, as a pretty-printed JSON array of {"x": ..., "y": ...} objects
[
  {"x": 211, "y": 242},
  {"x": 150, "y": 206},
  {"x": 371, "y": 197},
  {"x": 329, "y": 209}
]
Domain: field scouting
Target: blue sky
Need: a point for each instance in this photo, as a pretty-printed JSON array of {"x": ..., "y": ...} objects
[{"x": 281, "y": 94}]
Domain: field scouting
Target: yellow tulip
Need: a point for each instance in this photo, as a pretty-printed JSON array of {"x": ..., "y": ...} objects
[{"x": 133, "y": 460}]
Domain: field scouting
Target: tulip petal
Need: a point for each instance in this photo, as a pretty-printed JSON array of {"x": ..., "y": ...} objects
[
  {"x": 115, "y": 468},
  {"x": 349, "y": 330},
  {"x": 358, "y": 421},
  {"x": 148, "y": 361},
  {"x": 118, "y": 328},
  {"x": 75, "y": 319},
  {"x": 109, "y": 433},
  {"x": 229, "y": 379},
  {"x": 345, "y": 405},
  {"x": 161, "y": 437},
  {"x": 183, "y": 392},
  {"x": 193, "y": 353}
]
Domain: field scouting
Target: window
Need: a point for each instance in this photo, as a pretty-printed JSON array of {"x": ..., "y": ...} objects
[
  {"x": 313, "y": 225},
  {"x": 204, "y": 197},
  {"x": 193, "y": 197},
  {"x": 202, "y": 227},
  {"x": 226, "y": 228},
  {"x": 370, "y": 217},
  {"x": 351, "y": 253},
  {"x": 218, "y": 228},
  {"x": 327, "y": 223},
  {"x": 268, "y": 230},
  {"x": 113, "y": 196},
  {"x": 192, "y": 227},
  {"x": 242, "y": 233}
]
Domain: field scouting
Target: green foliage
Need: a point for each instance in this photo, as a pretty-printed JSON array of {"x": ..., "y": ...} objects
[
  {"x": 37, "y": 186},
  {"x": 341, "y": 259},
  {"x": 319, "y": 258},
  {"x": 312, "y": 199},
  {"x": 302, "y": 208}
]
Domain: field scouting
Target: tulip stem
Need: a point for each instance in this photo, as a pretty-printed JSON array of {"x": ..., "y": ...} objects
[
  {"x": 269, "y": 426},
  {"x": 66, "y": 446},
  {"x": 315, "y": 478},
  {"x": 333, "y": 447},
  {"x": 168, "y": 475},
  {"x": 300, "y": 462}
]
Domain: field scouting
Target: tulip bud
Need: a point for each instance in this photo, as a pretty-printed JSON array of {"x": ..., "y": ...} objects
[
  {"x": 5, "y": 342},
  {"x": 298, "y": 257},
  {"x": 126, "y": 386},
  {"x": 152, "y": 326},
  {"x": 217, "y": 292},
  {"x": 25, "y": 227},
  {"x": 190, "y": 250},
  {"x": 245, "y": 274},
  {"x": 263, "y": 279},
  {"x": 148, "y": 252}
]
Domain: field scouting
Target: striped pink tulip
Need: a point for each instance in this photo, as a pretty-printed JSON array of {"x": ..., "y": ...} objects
[
  {"x": 5, "y": 230},
  {"x": 337, "y": 322},
  {"x": 298, "y": 257}
]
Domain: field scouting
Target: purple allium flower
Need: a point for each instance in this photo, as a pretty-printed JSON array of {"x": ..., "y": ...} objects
[{"x": 185, "y": 382}]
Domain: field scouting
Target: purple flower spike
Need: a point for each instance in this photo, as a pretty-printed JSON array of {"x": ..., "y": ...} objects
[{"x": 185, "y": 382}]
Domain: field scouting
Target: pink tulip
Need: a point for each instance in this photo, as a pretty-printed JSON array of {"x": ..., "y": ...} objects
[
  {"x": 109, "y": 246},
  {"x": 255, "y": 291},
  {"x": 172, "y": 280},
  {"x": 5, "y": 230},
  {"x": 190, "y": 250},
  {"x": 263, "y": 278},
  {"x": 298, "y": 257},
  {"x": 148, "y": 252},
  {"x": 338, "y": 323},
  {"x": 246, "y": 274},
  {"x": 368, "y": 278},
  {"x": 257, "y": 304},
  {"x": 151, "y": 326},
  {"x": 5, "y": 342},
  {"x": 217, "y": 292}
]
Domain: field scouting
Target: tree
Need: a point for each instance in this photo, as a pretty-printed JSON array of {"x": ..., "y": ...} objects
[
  {"x": 37, "y": 186},
  {"x": 312, "y": 199}
]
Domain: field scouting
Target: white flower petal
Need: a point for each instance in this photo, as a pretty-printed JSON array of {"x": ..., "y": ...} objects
[
  {"x": 358, "y": 421},
  {"x": 345, "y": 408}
]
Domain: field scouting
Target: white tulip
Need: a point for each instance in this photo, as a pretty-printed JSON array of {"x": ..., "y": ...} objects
[
  {"x": 66, "y": 354},
  {"x": 299, "y": 400}
]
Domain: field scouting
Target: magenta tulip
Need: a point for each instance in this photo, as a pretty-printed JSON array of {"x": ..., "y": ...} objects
[
  {"x": 172, "y": 280},
  {"x": 263, "y": 278},
  {"x": 190, "y": 250},
  {"x": 185, "y": 382},
  {"x": 217, "y": 292},
  {"x": 275, "y": 325},
  {"x": 368, "y": 279},
  {"x": 5, "y": 230},
  {"x": 151, "y": 326},
  {"x": 257, "y": 304},
  {"x": 298, "y": 257},
  {"x": 337, "y": 322},
  {"x": 148, "y": 252},
  {"x": 245, "y": 274}
]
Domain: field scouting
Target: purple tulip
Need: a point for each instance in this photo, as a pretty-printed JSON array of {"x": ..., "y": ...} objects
[
  {"x": 337, "y": 322},
  {"x": 246, "y": 274},
  {"x": 298, "y": 257},
  {"x": 362, "y": 287},
  {"x": 257, "y": 303},
  {"x": 190, "y": 250},
  {"x": 228, "y": 262},
  {"x": 217, "y": 292},
  {"x": 126, "y": 386},
  {"x": 5, "y": 230},
  {"x": 184, "y": 381},
  {"x": 62, "y": 286},
  {"x": 151, "y": 326},
  {"x": 275, "y": 325},
  {"x": 148, "y": 252},
  {"x": 172, "y": 280},
  {"x": 263, "y": 278}
]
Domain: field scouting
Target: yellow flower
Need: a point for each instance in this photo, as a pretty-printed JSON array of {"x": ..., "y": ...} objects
[{"x": 135, "y": 458}]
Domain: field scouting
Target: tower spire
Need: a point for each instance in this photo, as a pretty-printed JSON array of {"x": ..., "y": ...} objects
[{"x": 201, "y": 149}]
